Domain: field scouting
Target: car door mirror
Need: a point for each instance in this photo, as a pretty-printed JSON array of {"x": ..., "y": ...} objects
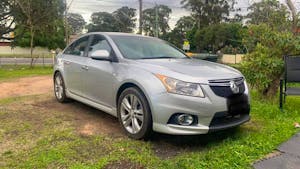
[{"x": 100, "y": 55}]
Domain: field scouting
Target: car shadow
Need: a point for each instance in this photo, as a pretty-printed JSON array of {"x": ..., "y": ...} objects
[{"x": 167, "y": 146}]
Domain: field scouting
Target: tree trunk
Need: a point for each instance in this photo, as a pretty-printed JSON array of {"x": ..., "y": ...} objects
[
  {"x": 294, "y": 15},
  {"x": 31, "y": 45},
  {"x": 271, "y": 91}
]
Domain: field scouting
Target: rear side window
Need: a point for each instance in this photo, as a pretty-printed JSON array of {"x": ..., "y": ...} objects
[{"x": 78, "y": 47}]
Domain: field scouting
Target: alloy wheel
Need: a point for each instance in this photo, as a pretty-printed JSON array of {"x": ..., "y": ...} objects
[
  {"x": 132, "y": 115},
  {"x": 59, "y": 89}
]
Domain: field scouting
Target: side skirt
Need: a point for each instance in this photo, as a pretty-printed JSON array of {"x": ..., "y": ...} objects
[{"x": 109, "y": 110}]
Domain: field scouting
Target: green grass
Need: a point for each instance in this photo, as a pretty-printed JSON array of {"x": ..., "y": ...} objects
[
  {"x": 25, "y": 55},
  {"x": 37, "y": 137},
  {"x": 10, "y": 71},
  {"x": 42, "y": 136}
]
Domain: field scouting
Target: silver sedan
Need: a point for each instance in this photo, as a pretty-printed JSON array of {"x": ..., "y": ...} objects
[{"x": 150, "y": 85}]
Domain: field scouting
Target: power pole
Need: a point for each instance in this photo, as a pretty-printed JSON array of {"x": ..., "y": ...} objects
[
  {"x": 141, "y": 17},
  {"x": 66, "y": 24},
  {"x": 156, "y": 20}
]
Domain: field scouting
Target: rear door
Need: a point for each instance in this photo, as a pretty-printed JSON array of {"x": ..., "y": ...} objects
[{"x": 75, "y": 58}]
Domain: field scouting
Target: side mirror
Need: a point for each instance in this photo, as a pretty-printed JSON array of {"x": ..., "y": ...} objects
[{"x": 100, "y": 55}]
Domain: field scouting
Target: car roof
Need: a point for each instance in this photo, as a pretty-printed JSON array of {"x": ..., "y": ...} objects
[{"x": 117, "y": 34}]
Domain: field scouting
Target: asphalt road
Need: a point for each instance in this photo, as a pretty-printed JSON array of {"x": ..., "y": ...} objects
[{"x": 25, "y": 61}]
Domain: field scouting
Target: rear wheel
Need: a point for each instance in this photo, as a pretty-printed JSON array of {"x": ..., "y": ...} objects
[
  {"x": 59, "y": 88},
  {"x": 134, "y": 114}
]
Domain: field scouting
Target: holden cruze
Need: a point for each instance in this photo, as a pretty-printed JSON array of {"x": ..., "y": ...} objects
[{"x": 150, "y": 85}]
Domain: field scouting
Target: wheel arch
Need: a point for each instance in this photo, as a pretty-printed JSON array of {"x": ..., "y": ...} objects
[
  {"x": 55, "y": 72},
  {"x": 128, "y": 85}
]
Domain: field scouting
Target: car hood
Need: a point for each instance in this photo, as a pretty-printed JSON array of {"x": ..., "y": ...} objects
[{"x": 190, "y": 67}]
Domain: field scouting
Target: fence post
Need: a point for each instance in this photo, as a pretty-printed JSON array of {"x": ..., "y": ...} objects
[
  {"x": 235, "y": 59},
  {"x": 43, "y": 60},
  {"x": 53, "y": 57},
  {"x": 15, "y": 61}
]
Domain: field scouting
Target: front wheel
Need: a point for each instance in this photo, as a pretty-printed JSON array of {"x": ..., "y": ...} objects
[{"x": 134, "y": 114}]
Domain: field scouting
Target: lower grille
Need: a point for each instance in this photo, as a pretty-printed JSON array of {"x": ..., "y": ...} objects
[
  {"x": 238, "y": 104},
  {"x": 238, "y": 112}
]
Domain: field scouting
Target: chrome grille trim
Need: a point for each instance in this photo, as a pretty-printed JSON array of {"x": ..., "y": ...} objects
[{"x": 226, "y": 82}]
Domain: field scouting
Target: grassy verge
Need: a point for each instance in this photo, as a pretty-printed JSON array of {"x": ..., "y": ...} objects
[
  {"x": 46, "y": 55},
  {"x": 35, "y": 136},
  {"x": 10, "y": 71}
]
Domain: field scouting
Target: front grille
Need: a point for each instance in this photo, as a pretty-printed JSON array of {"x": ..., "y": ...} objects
[
  {"x": 222, "y": 87},
  {"x": 238, "y": 112}
]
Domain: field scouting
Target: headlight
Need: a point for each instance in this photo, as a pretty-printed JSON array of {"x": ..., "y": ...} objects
[{"x": 180, "y": 87}]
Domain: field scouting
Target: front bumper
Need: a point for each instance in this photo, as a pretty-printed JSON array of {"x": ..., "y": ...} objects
[{"x": 207, "y": 110}]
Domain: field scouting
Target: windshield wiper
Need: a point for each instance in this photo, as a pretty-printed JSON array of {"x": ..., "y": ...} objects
[{"x": 160, "y": 57}]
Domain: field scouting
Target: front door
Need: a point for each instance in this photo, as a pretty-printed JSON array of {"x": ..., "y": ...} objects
[{"x": 100, "y": 76}]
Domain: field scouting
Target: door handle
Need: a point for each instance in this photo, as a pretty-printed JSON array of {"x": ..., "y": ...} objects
[
  {"x": 85, "y": 67},
  {"x": 67, "y": 62}
]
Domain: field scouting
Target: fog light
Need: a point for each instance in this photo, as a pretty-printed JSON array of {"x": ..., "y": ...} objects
[{"x": 185, "y": 119}]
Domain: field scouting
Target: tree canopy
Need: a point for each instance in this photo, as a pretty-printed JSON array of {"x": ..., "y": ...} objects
[
  {"x": 215, "y": 37},
  {"x": 38, "y": 17},
  {"x": 183, "y": 26},
  {"x": 121, "y": 20},
  {"x": 125, "y": 19},
  {"x": 76, "y": 23},
  {"x": 159, "y": 17},
  {"x": 270, "y": 12},
  {"x": 208, "y": 12},
  {"x": 8, "y": 10}
]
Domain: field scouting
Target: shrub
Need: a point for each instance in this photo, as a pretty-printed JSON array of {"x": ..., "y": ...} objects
[
  {"x": 263, "y": 65},
  {"x": 263, "y": 70}
]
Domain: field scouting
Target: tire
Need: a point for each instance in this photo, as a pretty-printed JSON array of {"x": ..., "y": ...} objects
[
  {"x": 59, "y": 88},
  {"x": 134, "y": 114}
]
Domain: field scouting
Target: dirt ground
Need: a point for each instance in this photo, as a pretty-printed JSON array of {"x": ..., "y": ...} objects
[
  {"x": 26, "y": 86},
  {"x": 89, "y": 121}
]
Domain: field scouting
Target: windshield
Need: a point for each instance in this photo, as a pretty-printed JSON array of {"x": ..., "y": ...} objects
[{"x": 137, "y": 47}]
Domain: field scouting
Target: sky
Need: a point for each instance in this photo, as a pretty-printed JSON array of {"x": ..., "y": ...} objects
[{"x": 87, "y": 7}]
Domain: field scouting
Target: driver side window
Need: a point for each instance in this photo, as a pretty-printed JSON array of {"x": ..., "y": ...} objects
[{"x": 99, "y": 43}]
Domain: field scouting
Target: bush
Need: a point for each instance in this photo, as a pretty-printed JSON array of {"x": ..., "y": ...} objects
[
  {"x": 263, "y": 70},
  {"x": 263, "y": 65}
]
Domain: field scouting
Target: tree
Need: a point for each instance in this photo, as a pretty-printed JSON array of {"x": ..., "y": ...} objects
[
  {"x": 156, "y": 19},
  {"x": 208, "y": 12},
  {"x": 102, "y": 22},
  {"x": 121, "y": 20},
  {"x": 50, "y": 39},
  {"x": 125, "y": 19},
  {"x": 215, "y": 37},
  {"x": 7, "y": 11},
  {"x": 295, "y": 18},
  {"x": 75, "y": 22},
  {"x": 270, "y": 12},
  {"x": 38, "y": 15},
  {"x": 183, "y": 26}
]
